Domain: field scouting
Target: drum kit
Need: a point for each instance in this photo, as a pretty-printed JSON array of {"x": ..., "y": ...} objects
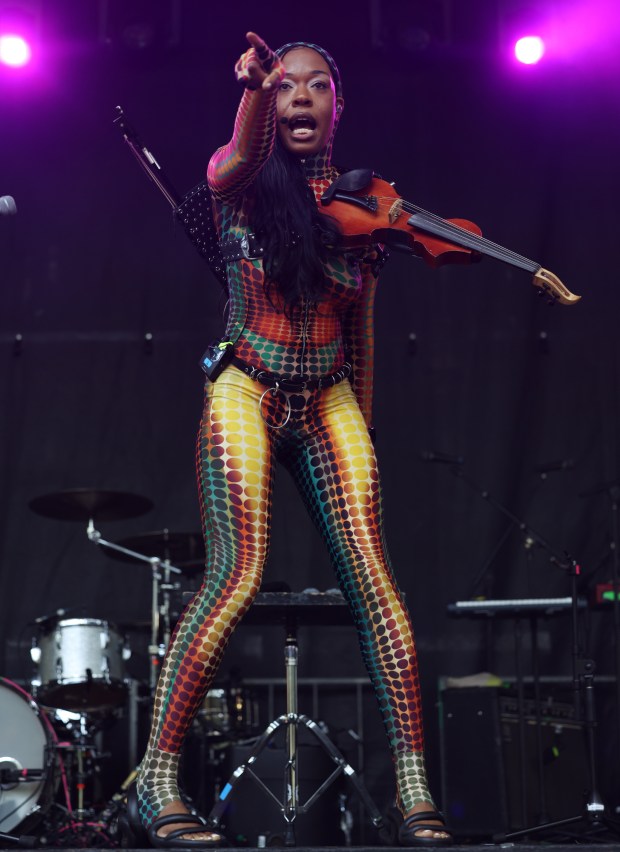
[{"x": 49, "y": 749}]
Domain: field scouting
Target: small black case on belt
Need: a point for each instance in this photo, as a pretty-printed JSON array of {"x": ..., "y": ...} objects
[{"x": 217, "y": 356}]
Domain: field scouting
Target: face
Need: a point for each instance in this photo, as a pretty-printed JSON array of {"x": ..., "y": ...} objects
[{"x": 307, "y": 99}]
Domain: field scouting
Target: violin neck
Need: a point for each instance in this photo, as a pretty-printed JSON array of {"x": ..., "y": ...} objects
[{"x": 462, "y": 237}]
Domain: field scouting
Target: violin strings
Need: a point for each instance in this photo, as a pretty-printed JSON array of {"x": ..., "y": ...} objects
[
  {"x": 480, "y": 242},
  {"x": 476, "y": 238},
  {"x": 500, "y": 251}
]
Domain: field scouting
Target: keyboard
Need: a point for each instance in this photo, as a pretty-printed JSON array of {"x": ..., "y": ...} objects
[{"x": 512, "y": 607}]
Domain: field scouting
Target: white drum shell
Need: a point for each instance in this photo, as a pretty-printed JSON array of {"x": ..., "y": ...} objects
[
  {"x": 24, "y": 741},
  {"x": 81, "y": 666}
]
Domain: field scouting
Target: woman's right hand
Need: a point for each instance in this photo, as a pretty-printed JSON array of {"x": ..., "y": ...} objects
[{"x": 259, "y": 67}]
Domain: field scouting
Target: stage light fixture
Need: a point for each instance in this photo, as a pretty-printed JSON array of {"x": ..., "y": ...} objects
[
  {"x": 525, "y": 30},
  {"x": 14, "y": 50},
  {"x": 529, "y": 49},
  {"x": 20, "y": 31}
]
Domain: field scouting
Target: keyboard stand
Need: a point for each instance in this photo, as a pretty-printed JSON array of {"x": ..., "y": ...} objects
[{"x": 518, "y": 610}]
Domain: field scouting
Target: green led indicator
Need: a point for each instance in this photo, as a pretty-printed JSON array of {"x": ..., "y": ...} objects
[{"x": 609, "y": 595}]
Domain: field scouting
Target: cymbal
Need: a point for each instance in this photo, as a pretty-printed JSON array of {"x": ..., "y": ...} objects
[
  {"x": 82, "y": 504},
  {"x": 184, "y": 550}
]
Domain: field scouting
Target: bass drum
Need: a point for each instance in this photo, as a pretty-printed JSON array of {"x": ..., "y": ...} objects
[{"x": 26, "y": 739}]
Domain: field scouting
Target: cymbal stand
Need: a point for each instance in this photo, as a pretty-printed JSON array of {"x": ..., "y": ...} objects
[
  {"x": 160, "y": 598},
  {"x": 290, "y": 806}
]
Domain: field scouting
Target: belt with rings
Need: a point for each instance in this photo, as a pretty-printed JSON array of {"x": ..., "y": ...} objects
[{"x": 292, "y": 384}]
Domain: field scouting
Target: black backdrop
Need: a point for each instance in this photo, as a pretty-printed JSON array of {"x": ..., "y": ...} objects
[{"x": 470, "y": 361}]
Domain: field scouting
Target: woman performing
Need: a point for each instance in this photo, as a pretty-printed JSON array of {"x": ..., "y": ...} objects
[{"x": 298, "y": 389}]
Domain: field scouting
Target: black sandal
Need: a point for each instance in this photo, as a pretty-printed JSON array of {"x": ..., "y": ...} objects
[
  {"x": 408, "y": 836},
  {"x": 135, "y": 836}
]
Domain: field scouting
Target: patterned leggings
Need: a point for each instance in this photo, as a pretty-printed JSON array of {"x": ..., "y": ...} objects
[{"x": 326, "y": 447}]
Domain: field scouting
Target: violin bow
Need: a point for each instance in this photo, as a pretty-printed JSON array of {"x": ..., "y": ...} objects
[{"x": 146, "y": 159}]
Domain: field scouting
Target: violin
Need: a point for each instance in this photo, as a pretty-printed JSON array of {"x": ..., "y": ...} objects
[{"x": 369, "y": 211}]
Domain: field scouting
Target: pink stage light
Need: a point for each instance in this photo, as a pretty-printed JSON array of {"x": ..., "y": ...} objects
[
  {"x": 529, "y": 49},
  {"x": 14, "y": 50}
]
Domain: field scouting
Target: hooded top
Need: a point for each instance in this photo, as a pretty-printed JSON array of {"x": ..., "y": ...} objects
[
  {"x": 318, "y": 165},
  {"x": 310, "y": 342}
]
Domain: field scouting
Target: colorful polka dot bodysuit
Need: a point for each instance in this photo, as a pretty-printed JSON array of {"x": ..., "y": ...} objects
[{"x": 326, "y": 448}]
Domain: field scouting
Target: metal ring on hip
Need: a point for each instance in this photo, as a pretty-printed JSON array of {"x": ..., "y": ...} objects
[{"x": 274, "y": 391}]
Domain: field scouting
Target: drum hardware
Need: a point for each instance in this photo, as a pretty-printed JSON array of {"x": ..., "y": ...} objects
[
  {"x": 228, "y": 713},
  {"x": 80, "y": 758},
  {"x": 244, "y": 714},
  {"x": 213, "y": 717},
  {"x": 184, "y": 549},
  {"x": 86, "y": 505},
  {"x": 159, "y": 549},
  {"x": 156, "y": 549},
  {"x": 109, "y": 815},
  {"x": 44, "y": 751},
  {"x": 75, "y": 823}
]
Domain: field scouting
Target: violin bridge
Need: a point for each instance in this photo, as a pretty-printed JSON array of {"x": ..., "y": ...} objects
[{"x": 395, "y": 210}]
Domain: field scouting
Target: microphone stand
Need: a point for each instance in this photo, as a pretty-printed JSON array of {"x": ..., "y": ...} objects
[
  {"x": 583, "y": 686},
  {"x": 613, "y": 492},
  {"x": 530, "y": 540},
  {"x": 593, "y": 814}
]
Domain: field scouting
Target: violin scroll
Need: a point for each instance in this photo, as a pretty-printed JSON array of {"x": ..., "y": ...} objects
[{"x": 553, "y": 287}]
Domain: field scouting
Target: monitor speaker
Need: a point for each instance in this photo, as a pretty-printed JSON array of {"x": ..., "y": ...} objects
[{"x": 490, "y": 784}]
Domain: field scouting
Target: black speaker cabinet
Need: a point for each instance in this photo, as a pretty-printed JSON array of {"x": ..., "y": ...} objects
[{"x": 485, "y": 788}]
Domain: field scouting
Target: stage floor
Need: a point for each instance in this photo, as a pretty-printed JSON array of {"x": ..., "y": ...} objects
[{"x": 485, "y": 847}]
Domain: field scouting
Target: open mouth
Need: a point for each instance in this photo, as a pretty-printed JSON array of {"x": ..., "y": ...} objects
[{"x": 302, "y": 125}]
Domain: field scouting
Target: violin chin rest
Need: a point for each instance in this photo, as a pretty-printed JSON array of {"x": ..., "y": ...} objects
[{"x": 351, "y": 181}]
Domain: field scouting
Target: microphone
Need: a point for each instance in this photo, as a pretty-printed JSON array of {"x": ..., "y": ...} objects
[
  {"x": 7, "y": 206},
  {"x": 441, "y": 458},
  {"x": 284, "y": 120},
  {"x": 550, "y": 467},
  {"x": 14, "y": 776}
]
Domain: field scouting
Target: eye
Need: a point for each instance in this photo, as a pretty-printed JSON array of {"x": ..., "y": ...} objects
[
  {"x": 284, "y": 86},
  {"x": 320, "y": 85}
]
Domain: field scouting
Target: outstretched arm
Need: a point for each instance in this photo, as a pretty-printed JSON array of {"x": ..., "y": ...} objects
[{"x": 233, "y": 167}]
